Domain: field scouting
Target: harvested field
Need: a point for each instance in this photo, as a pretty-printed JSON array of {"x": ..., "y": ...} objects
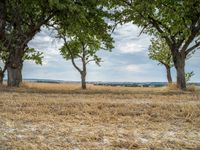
[{"x": 61, "y": 116}]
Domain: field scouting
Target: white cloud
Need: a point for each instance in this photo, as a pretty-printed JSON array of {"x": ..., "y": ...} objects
[
  {"x": 130, "y": 47},
  {"x": 128, "y": 40},
  {"x": 134, "y": 68}
]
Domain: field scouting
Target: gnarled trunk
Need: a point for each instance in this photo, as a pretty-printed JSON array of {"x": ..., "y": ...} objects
[
  {"x": 169, "y": 77},
  {"x": 14, "y": 67},
  {"x": 14, "y": 76},
  {"x": 180, "y": 69}
]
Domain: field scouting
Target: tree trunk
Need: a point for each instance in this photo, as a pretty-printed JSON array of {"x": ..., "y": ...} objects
[
  {"x": 14, "y": 76},
  {"x": 2, "y": 19},
  {"x": 179, "y": 62},
  {"x": 83, "y": 80},
  {"x": 169, "y": 77},
  {"x": 1, "y": 77}
]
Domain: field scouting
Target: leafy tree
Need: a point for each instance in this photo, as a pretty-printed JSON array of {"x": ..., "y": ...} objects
[
  {"x": 86, "y": 34},
  {"x": 21, "y": 20},
  {"x": 160, "y": 52},
  {"x": 83, "y": 49},
  {"x": 178, "y": 22}
]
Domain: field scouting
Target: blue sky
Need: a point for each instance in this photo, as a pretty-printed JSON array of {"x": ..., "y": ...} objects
[{"x": 128, "y": 61}]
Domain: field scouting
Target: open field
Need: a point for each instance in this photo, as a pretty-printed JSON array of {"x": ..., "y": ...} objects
[{"x": 61, "y": 116}]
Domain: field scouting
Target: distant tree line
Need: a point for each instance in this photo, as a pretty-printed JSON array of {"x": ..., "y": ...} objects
[{"x": 84, "y": 25}]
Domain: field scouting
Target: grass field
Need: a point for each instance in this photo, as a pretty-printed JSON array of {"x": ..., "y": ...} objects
[{"x": 61, "y": 116}]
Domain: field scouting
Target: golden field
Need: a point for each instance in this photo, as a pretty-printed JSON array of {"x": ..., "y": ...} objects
[{"x": 61, "y": 116}]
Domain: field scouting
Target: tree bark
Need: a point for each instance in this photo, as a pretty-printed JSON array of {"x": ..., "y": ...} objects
[
  {"x": 179, "y": 62},
  {"x": 169, "y": 77},
  {"x": 14, "y": 76},
  {"x": 14, "y": 67},
  {"x": 1, "y": 77},
  {"x": 2, "y": 19},
  {"x": 83, "y": 80}
]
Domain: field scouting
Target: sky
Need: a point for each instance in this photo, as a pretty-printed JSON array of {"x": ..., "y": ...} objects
[{"x": 128, "y": 61}]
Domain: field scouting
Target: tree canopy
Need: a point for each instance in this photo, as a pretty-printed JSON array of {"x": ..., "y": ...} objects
[{"x": 178, "y": 22}]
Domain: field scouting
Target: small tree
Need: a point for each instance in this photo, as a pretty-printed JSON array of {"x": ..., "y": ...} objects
[
  {"x": 83, "y": 49},
  {"x": 159, "y": 51}
]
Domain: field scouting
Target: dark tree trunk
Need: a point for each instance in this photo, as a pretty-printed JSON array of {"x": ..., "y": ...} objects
[
  {"x": 169, "y": 77},
  {"x": 14, "y": 67},
  {"x": 83, "y": 80},
  {"x": 179, "y": 62},
  {"x": 2, "y": 19},
  {"x": 1, "y": 77}
]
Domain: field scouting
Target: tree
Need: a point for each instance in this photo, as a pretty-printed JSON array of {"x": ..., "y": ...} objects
[
  {"x": 86, "y": 34},
  {"x": 178, "y": 22},
  {"x": 30, "y": 54},
  {"x": 21, "y": 21},
  {"x": 83, "y": 49},
  {"x": 159, "y": 51}
]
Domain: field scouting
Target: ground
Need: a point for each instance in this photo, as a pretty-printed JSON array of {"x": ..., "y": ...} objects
[{"x": 61, "y": 116}]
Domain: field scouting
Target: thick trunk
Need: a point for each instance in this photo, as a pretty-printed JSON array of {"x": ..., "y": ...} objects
[
  {"x": 180, "y": 69},
  {"x": 14, "y": 76},
  {"x": 169, "y": 77},
  {"x": 14, "y": 68},
  {"x": 83, "y": 80}
]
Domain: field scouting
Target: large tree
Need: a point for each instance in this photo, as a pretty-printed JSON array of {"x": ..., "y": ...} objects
[
  {"x": 87, "y": 33},
  {"x": 177, "y": 21},
  {"x": 22, "y": 20},
  {"x": 159, "y": 51}
]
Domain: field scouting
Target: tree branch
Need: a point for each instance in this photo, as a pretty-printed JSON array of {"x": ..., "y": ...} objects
[
  {"x": 156, "y": 25},
  {"x": 90, "y": 61},
  {"x": 195, "y": 27},
  {"x": 71, "y": 54},
  {"x": 192, "y": 48}
]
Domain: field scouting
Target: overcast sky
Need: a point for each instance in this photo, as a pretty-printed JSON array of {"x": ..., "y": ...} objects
[{"x": 128, "y": 61}]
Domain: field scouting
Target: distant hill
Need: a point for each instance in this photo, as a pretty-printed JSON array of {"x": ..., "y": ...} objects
[{"x": 125, "y": 84}]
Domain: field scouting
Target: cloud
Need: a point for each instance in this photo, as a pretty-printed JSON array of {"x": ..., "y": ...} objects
[
  {"x": 128, "y": 39},
  {"x": 130, "y": 47},
  {"x": 134, "y": 68}
]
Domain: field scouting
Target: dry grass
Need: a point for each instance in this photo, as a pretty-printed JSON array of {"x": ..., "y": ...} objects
[{"x": 61, "y": 116}]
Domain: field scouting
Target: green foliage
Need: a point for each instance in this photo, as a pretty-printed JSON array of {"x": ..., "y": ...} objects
[
  {"x": 188, "y": 76},
  {"x": 86, "y": 49},
  {"x": 86, "y": 33},
  {"x": 30, "y": 54},
  {"x": 175, "y": 20},
  {"x": 160, "y": 52},
  {"x": 33, "y": 55}
]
